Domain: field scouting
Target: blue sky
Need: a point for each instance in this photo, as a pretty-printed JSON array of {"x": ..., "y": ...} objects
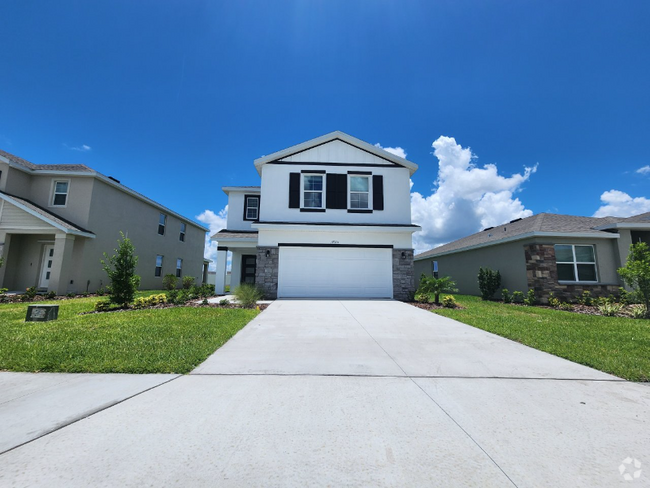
[{"x": 177, "y": 98}]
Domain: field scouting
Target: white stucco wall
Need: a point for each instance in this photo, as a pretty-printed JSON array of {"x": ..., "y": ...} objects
[
  {"x": 275, "y": 196},
  {"x": 354, "y": 235},
  {"x": 235, "y": 219}
]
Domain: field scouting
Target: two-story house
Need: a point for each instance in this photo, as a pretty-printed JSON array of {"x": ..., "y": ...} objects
[
  {"x": 332, "y": 218},
  {"x": 56, "y": 222}
]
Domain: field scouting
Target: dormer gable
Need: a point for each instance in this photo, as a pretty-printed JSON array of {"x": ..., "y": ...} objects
[{"x": 335, "y": 148}]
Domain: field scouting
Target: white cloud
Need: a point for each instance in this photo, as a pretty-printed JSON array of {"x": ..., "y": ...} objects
[
  {"x": 82, "y": 148},
  {"x": 619, "y": 204},
  {"x": 644, "y": 171},
  {"x": 397, "y": 151},
  {"x": 215, "y": 222},
  {"x": 467, "y": 198}
]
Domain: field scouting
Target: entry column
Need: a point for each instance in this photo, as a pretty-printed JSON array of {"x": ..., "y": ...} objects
[{"x": 62, "y": 263}]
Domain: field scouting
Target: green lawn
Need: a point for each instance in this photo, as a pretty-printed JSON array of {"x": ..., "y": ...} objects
[
  {"x": 171, "y": 340},
  {"x": 615, "y": 345}
]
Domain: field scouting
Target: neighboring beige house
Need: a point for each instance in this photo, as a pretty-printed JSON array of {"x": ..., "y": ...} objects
[
  {"x": 563, "y": 254},
  {"x": 56, "y": 221}
]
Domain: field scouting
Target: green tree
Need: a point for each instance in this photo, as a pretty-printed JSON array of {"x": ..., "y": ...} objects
[
  {"x": 636, "y": 273},
  {"x": 435, "y": 286},
  {"x": 121, "y": 272},
  {"x": 488, "y": 282}
]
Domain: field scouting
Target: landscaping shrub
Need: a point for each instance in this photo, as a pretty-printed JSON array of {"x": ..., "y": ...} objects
[
  {"x": 530, "y": 299},
  {"x": 121, "y": 272},
  {"x": 51, "y": 294},
  {"x": 449, "y": 301},
  {"x": 188, "y": 282},
  {"x": 638, "y": 311},
  {"x": 488, "y": 282},
  {"x": 610, "y": 309},
  {"x": 30, "y": 292},
  {"x": 517, "y": 297},
  {"x": 206, "y": 290},
  {"x": 554, "y": 301},
  {"x": 102, "y": 306},
  {"x": 627, "y": 297},
  {"x": 565, "y": 306},
  {"x": 224, "y": 302},
  {"x": 150, "y": 301},
  {"x": 172, "y": 295},
  {"x": 585, "y": 299},
  {"x": 507, "y": 297},
  {"x": 636, "y": 273},
  {"x": 422, "y": 298},
  {"x": 435, "y": 286},
  {"x": 71, "y": 295},
  {"x": 169, "y": 282},
  {"x": 247, "y": 295}
]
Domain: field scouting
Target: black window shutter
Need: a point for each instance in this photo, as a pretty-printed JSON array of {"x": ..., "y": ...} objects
[
  {"x": 377, "y": 192},
  {"x": 294, "y": 190},
  {"x": 337, "y": 191}
]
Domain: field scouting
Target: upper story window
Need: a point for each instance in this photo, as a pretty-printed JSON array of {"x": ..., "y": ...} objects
[
  {"x": 60, "y": 193},
  {"x": 181, "y": 237},
  {"x": 359, "y": 192},
  {"x": 575, "y": 263},
  {"x": 312, "y": 191},
  {"x": 179, "y": 267},
  {"x": 162, "y": 222},
  {"x": 251, "y": 207},
  {"x": 159, "y": 261}
]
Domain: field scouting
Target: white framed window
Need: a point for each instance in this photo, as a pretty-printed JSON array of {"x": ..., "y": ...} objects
[
  {"x": 576, "y": 262},
  {"x": 181, "y": 237},
  {"x": 359, "y": 192},
  {"x": 162, "y": 222},
  {"x": 313, "y": 190},
  {"x": 60, "y": 193},
  {"x": 251, "y": 207},
  {"x": 179, "y": 267},
  {"x": 159, "y": 262}
]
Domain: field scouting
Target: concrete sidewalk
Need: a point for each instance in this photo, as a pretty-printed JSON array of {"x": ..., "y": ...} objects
[{"x": 357, "y": 393}]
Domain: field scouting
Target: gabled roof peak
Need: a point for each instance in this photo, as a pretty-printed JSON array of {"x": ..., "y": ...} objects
[{"x": 334, "y": 136}]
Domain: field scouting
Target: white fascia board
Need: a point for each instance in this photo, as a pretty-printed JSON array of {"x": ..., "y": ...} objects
[
  {"x": 238, "y": 189},
  {"x": 520, "y": 237},
  {"x": 338, "y": 228},
  {"x": 259, "y": 162},
  {"x": 48, "y": 221},
  {"x": 625, "y": 225},
  {"x": 107, "y": 180}
]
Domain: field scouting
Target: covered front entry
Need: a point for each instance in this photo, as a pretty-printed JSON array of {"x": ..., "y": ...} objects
[{"x": 333, "y": 272}]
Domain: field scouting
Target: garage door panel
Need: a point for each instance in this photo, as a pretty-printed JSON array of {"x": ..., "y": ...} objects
[{"x": 335, "y": 272}]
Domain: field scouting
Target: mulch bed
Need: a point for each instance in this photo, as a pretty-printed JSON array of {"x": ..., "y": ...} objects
[{"x": 430, "y": 306}]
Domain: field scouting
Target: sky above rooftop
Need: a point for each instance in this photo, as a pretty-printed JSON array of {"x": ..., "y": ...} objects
[{"x": 509, "y": 108}]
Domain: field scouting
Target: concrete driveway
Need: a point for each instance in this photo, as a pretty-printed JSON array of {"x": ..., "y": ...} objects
[{"x": 352, "y": 393}]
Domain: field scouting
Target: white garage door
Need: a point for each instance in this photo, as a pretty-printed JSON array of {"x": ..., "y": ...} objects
[{"x": 330, "y": 272}]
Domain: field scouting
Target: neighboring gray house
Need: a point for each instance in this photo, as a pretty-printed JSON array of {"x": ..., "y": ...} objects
[
  {"x": 56, "y": 221},
  {"x": 563, "y": 254}
]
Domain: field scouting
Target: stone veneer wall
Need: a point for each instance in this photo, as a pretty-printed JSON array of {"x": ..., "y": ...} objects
[
  {"x": 541, "y": 272},
  {"x": 266, "y": 274},
  {"x": 403, "y": 274}
]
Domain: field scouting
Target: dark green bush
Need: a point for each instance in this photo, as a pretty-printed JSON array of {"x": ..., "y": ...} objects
[
  {"x": 187, "y": 282},
  {"x": 488, "y": 282},
  {"x": 169, "y": 282},
  {"x": 121, "y": 272}
]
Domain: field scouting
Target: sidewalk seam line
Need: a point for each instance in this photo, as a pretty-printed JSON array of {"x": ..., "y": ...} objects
[{"x": 88, "y": 415}]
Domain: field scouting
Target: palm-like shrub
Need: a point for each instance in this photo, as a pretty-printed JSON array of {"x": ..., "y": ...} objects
[{"x": 435, "y": 286}]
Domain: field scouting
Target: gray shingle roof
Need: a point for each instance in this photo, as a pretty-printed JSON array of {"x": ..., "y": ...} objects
[
  {"x": 44, "y": 167},
  {"x": 47, "y": 214},
  {"x": 235, "y": 234},
  {"x": 643, "y": 218},
  {"x": 543, "y": 222}
]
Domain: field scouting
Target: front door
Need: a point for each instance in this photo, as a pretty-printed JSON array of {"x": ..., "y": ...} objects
[
  {"x": 248, "y": 266},
  {"x": 46, "y": 266}
]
